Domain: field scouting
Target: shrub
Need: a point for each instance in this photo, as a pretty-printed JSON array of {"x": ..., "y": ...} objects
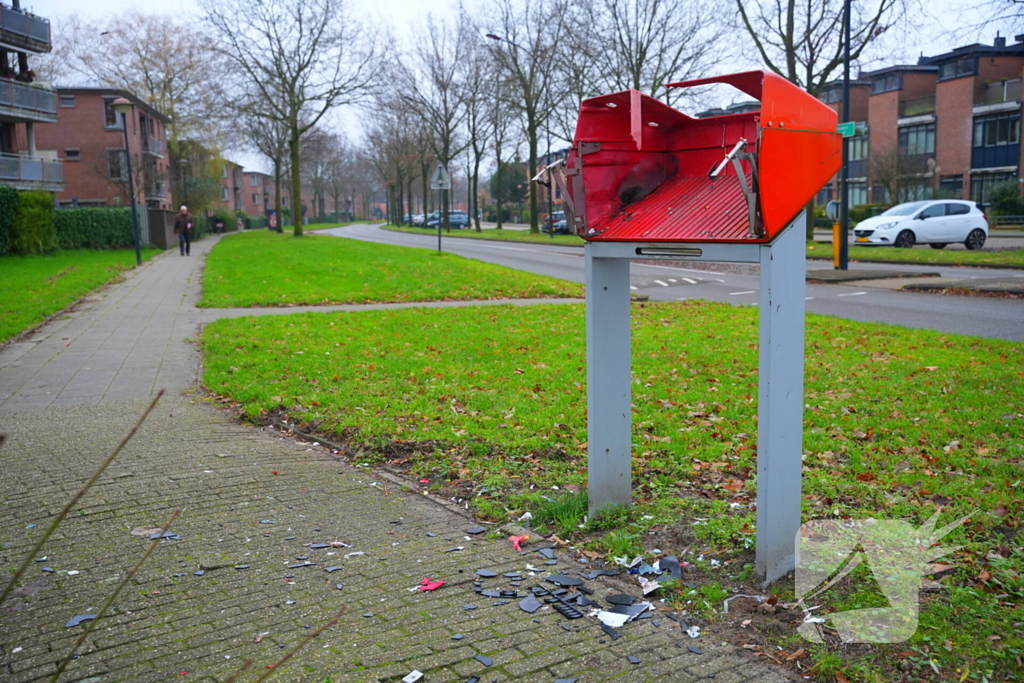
[
  {"x": 32, "y": 231},
  {"x": 94, "y": 228},
  {"x": 1004, "y": 199},
  {"x": 255, "y": 222},
  {"x": 8, "y": 207}
]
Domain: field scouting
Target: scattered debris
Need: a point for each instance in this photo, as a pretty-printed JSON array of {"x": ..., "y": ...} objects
[
  {"x": 589, "y": 576},
  {"x": 671, "y": 566},
  {"x": 694, "y": 650},
  {"x": 241, "y": 566},
  {"x": 517, "y": 542},
  {"x": 413, "y": 676},
  {"x": 529, "y": 604},
  {"x": 300, "y": 565},
  {"x": 455, "y": 549},
  {"x": 339, "y": 586},
  {"x": 431, "y": 534},
  {"x": 486, "y": 661},
  {"x": 693, "y": 631},
  {"x": 563, "y": 580},
  {"x": 567, "y": 680},
  {"x": 428, "y": 585},
  {"x": 476, "y": 530},
  {"x": 458, "y": 636},
  {"x": 526, "y": 517},
  {"x": 633, "y": 660},
  {"x": 353, "y": 554},
  {"x": 547, "y": 552},
  {"x": 486, "y": 573},
  {"x": 76, "y": 620},
  {"x": 331, "y": 569},
  {"x": 611, "y": 631},
  {"x": 469, "y": 607},
  {"x": 759, "y": 598},
  {"x": 368, "y": 615},
  {"x": 620, "y": 599}
]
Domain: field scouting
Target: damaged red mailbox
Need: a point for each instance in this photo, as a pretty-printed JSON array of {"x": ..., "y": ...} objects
[{"x": 640, "y": 171}]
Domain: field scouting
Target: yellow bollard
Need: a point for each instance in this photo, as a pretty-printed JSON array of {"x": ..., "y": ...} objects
[{"x": 835, "y": 245}]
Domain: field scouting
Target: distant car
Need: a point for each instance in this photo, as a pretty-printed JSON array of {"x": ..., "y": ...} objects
[
  {"x": 935, "y": 222},
  {"x": 418, "y": 220},
  {"x": 456, "y": 219},
  {"x": 561, "y": 228},
  {"x": 553, "y": 218}
]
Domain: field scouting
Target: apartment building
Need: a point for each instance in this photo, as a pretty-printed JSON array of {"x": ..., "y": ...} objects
[
  {"x": 89, "y": 139},
  {"x": 25, "y": 103},
  {"x": 258, "y": 193},
  {"x": 947, "y": 126}
]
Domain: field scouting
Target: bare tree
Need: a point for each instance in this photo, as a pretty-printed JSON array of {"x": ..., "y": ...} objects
[
  {"x": 392, "y": 141},
  {"x": 268, "y": 136},
  {"x": 901, "y": 174},
  {"x": 303, "y": 58},
  {"x": 501, "y": 122},
  {"x": 157, "y": 58},
  {"x": 803, "y": 41},
  {"x": 526, "y": 35},
  {"x": 478, "y": 80}
]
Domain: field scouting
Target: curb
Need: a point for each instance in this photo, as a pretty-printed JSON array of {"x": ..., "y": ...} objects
[{"x": 923, "y": 263}]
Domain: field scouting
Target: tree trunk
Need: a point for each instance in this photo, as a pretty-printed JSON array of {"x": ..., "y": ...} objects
[
  {"x": 534, "y": 203},
  {"x": 277, "y": 195},
  {"x": 476, "y": 193},
  {"x": 293, "y": 144}
]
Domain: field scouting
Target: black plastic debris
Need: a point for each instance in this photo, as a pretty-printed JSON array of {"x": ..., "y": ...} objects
[
  {"x": 44, "y": 558},
  {"x": 455, "y": 549},
  {"x": 76, "y": 620},
  {"x": 599, "y": 572},
  {"x": 241, "y": 566},
  {"x": 398, "y": 521},
  {"x": 368, "y": 615},
  {"x": 180, "y": 575},
  {"x": 610, "y": 631},
  {"x": 476, "y": 530},
  {"x": 655, "y": 623},
  {"x": 339, "y": 586},
  {"x": 199, "y": 573},
  {"x": 551, "y": 562},
  {"x": 670, "y": 565},
  {"x": 300, "y": 565},
  {"x": 486, "y": 661},
  {"x": 567, "y": 680},
  {"x": 431, "y": 534},
  {"x": 290, "y": 538},
  {"x": 583, "y": 601},
  {"x": 694, "y": 650},
  {"x": 167, "y": 534},
  {"x": 620, "y": 599},
  {"x": 529, "y": 604},
  {"x": 565, "y": 626},
  {"x": 300, "y": 558},
  {"x": 633, "y": 660},
  {"x": 331, "y": 569},
  {"x": 473, "y": 679},
  {"x": 469, "y": 607},
  {"x": 267, "y": 521},
  {"x": 567, "y": 611},
  {"x": 458, "y": 636},
  {"x": 318, "y": 546},
  {"x": 491, "y": 594},
  {"x": 632, "y": 611},
  {"x": 500, "y": 603},
  {"x": 563, "y": 580},
  {"x": 486, "y": 573},
  {"x": 515, "y": 576},
  {"x": 49, "y": 570},
  {"x": 547, "y": 552},
  {"x": 584, "y": 589}
]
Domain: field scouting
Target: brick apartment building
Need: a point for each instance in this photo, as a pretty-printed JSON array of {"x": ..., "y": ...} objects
[
  {"x": 257, "y": 193},
  {"x": 950, "y": 123},
  {"x": 89, "y": 139},
  {"x": 25, "y": 104}
]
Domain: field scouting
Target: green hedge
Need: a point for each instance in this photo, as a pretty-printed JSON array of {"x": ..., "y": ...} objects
[
  {"x": 8, "y": 207},
  {"x": 98, "y": 228},
  {"x": 255, "y": 222},
  {"x": 32, "y": 231}
]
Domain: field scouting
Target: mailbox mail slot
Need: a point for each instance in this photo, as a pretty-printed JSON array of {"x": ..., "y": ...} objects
[{"x": 639, "y": 170}]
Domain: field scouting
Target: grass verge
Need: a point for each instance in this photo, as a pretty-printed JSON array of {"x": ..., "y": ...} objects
[
  {"x": 494, "y": 234},
  {"x": 489, "y": 405},
  {"x": 35, "y": 287},
  {"x": 1010, "y": 258},
  {"x": 262, "y": 268}
]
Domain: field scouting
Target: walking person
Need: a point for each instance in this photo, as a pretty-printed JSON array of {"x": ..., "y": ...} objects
[{"x": 183, "y": 225}]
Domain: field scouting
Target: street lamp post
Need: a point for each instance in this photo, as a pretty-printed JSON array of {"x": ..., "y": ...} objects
[
  {"x": 123, "y": 105},
  {"x": 182, "y": 163}
]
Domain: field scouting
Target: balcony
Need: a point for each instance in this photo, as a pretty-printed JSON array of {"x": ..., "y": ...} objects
[
  {"x": 23, "y": 31},
  {"x": 152, "y": 145},
  {"x": 31, "y": 173},
  {"x": 20, "y": 102},
  {"x": 916, "y": 106},
  {"x": 155, "y": 191},
  {"x": 997, "y": 93}
]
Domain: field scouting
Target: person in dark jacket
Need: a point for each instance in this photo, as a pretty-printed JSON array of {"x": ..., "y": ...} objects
[{"x": 184, "y": 223}]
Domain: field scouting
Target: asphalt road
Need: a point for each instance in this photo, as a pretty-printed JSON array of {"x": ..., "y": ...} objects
[{"x": 739, "y": 284}]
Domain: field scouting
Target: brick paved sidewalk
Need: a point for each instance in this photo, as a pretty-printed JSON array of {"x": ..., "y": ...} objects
[{"x": 254, "y": 498}]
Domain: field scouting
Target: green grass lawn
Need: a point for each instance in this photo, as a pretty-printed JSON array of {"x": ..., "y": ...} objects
[
  {"x": 494, "y": 234},
  {"x": 262, "y": 268},
  {"x": 489, "y": 404},
  {"x": 1013, "y": 258},
  {"x": 33, "y": 288}
]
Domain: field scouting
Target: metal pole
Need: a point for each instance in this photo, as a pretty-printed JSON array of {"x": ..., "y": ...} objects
[
  {"x": 780, "y": 400},
  {"x": 439, "y": 222},
  {"x": 131, "y": 192},
  {"x": 609, "y": 418},
  {"x": 844, "y": 190}
]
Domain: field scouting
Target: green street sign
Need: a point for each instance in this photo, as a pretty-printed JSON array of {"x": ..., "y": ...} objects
[{"x": 848, "y": 129}]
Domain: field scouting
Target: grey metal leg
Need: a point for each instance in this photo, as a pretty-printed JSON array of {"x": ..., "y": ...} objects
[
  {"x": 609, "y": 425},
  {"x": 780, "y": 402}
]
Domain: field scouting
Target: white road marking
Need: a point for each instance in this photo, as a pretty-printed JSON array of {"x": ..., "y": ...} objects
[
  {"x": 690, "y": 280},
  {"x": 659, "y": 282},
  {"x": 684, "y": 270},
  {"x": 633, "y": 288},
  {"x": 673, "y": 280},
  {"x": 852, "y": 294},
  {"x": 750, "y": 291},
  {"x": 808, "y": 298}
]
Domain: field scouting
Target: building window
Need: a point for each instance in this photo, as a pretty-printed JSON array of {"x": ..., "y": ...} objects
[
  {"x": 116, "y": 167},
  {"x": 255, "y": 199},
  {"x": 951, "y": 187},
  {"x": 111, "y": 119},
  {"x": 965, "y": 66},
  {"x": 254, "y": 180},
  {"x": 224, "y": 172},
  {"x": 917, "y": 139},
  {"x": 67, "y": 101},
  {"x": 886, "y": 84},
  {"x": 1000, "y": 129},
  {"x": 832, "y": 96},
  {"x": 858, "y": 193},
  {"x": 72, "y": 154},
  {"x": 982, "y": 184},
  {"x": 223, "y": 194}
]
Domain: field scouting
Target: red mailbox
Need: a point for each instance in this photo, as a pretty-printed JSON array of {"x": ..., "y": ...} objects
[{"x": 640, "y": 171}]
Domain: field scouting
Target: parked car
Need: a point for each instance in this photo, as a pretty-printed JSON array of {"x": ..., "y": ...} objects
[
  {"x": 419, "y": 220},
  {"x": 933, "y": 222},
  {"x": 553, "y": 218},
  {"x": 561, "y": 228},
  {"x": 456, "y": 219}
]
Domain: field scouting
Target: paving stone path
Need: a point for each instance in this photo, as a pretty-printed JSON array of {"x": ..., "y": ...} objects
[{"x": 236, "y": 585}]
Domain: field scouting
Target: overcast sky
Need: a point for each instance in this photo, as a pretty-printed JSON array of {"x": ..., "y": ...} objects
[{"x": 948, "y": 16}]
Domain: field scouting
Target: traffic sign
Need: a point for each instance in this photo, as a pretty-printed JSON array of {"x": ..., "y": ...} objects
[
  {"x": 848, "y": 129},
  {"x": 440, "y": 180}
]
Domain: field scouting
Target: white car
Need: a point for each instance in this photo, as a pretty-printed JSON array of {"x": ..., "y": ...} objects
[{"x": 935, "y": 222}]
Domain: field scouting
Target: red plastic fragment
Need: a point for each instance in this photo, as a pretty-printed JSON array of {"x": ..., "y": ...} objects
[
  {"x": 274, "y": 472},
  {"x": 428, "y": 585},
  {"x": 517, "y": 541}
]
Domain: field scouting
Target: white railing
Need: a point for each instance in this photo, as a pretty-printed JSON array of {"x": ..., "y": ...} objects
[
  {"x": 20, "y": 96},
  {"x": 17, "y": 167},
  {"x": 24, "y": 24},
  {"x": 153, "y": 145}
]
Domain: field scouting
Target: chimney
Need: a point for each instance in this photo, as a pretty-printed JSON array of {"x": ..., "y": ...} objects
[
  {"x": 1019, "y": 38},
  {"x": 999, "y": 42}
]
